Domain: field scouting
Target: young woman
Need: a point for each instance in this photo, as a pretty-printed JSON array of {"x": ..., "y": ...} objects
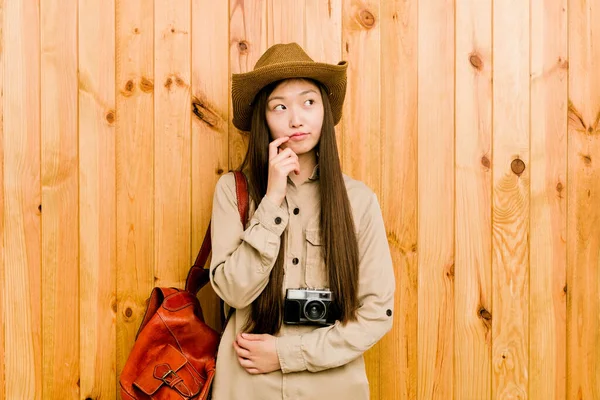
[{"x": 310, "y": 276}]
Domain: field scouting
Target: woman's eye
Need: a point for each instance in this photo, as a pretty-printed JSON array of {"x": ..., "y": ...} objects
[
  {"x": 309, "y": 102},
  {"x": 279, "y": 107}
]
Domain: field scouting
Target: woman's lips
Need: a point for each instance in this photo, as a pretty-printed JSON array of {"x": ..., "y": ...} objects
[{"x": 298, "y": 136}]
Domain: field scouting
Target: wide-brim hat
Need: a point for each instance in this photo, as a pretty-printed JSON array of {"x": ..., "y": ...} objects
[{"x": 284, "y": 61}]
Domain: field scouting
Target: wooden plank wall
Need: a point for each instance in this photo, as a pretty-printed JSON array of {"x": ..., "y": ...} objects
[{"x": 476, "y": 122}]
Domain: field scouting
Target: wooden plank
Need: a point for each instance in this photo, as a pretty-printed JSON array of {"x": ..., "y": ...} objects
[
  {"x": 548, "y": 230},
  {"x": 134, "y": 164},
  {"x": 323, "y": 30},
  {"x": 247, "y": 42},
  {"x": 60, "y": 219},
  {"x": 398, "y": 349},
  {"x": 172, "y": 162},
  {"x": 361, "y": 140},
  {"x": 2, "y": 261},
  {"x": 473, "y": 223},
  {"x": 286, "y": 22},
  {"x": 22, "y": 203},
  {"x": 583, "y": 212},
  {"x": 510, "y": 215},
  {"x": 361, "y": 114},
  {"x": 436, "y": 199},
  {"x": 210, "y": 124},
  {"x": 97, "y": 195}
]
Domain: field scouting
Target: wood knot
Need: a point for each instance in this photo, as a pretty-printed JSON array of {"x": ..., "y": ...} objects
[
  {"x": 204, "y": 113},
  {"x": 559, "y": 187},
  {"x": 169, "y": 83},
  {"x": 172, "y": 30},
  {"x": 146, "y": 85},
  {"x": 243, "y": 47},
  {"x": 450, "y": 272},
  {"x": 113, "y": 306},
  {"x": 110, "y": 117},
  {"x": 128, "y": 91},
  {"x": 476, "y": 61},
  {"x": 220, "y": 171},
  {"x": 564, "y": 64},
  {"x": 590, "y": 129},
  {"x": 587, "y": 159},
  {"x": 485, "y": 314},
  {"x": 366, "y": 18},
  {"x": 179, "y": 82},
  {"x": 128, "y": 312},
  {"x": 517, "y": 166},
  {"x": 485, "y": 162},
  {"x": 136, "y": 30},
  {"x": 565, "y": 289},
  {"x": 40, "y": 208}
]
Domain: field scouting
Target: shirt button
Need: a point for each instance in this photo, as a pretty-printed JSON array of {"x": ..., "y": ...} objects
[
  {"x": 389, "y": 312},
  {"x": 278, "y": 220},
  {"x": 296, "y": 211},
  {"x": 295, "y": 261}
]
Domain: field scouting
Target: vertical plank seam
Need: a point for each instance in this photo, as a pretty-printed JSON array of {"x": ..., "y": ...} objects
[
  {"x": 528, "y": 372},
  {"x": 491, "y": 205}
]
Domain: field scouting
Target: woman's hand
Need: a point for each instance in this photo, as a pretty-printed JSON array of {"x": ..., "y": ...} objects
[
  {"x": 257, "y": 354},
  {"x": 281, "y": 164}
]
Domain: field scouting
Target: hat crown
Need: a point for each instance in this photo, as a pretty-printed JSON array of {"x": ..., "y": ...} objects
[{"x": 282, "y": 53}]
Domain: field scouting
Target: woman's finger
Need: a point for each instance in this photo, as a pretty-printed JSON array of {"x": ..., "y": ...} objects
[
  {"x": 245, "y": 363},
  {"x": 241, "y": 351},
  {"x": 274, "y": 145},
  {"x": 283, "y": 155}
]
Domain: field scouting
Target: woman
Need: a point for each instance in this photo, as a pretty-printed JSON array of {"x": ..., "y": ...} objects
[{"x": 313, "y": 234}]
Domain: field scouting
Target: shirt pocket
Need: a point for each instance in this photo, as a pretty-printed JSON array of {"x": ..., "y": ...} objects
[{"x": 316, "y": 272}]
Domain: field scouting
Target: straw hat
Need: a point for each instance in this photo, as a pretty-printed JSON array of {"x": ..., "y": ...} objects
[{"x": 283, "y": 61}]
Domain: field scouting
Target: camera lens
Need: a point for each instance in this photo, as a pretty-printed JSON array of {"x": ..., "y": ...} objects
[{"x": 314, "y": 310}]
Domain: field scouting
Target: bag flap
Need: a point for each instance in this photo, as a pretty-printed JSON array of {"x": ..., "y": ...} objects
[{"x": 168, "y": 369}]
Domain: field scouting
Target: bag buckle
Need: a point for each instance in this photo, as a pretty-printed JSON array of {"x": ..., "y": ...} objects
[{"x": 171, "y": 380}]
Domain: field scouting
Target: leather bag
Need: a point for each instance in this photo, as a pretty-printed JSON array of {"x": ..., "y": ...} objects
[{"x": 174, "y": 354}]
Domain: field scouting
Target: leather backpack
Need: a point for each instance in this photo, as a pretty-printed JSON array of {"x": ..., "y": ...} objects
[{"x": 174, "y": 354}]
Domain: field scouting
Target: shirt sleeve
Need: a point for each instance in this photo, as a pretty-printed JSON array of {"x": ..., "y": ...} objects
[
  {"x": 242, "y": 259},
  {"x": 336, "y": 345}
]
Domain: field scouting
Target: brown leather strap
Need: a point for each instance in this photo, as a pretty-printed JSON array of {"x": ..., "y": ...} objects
[{"x": 198, "y": 276}]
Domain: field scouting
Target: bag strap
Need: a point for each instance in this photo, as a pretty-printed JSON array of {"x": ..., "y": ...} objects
[{"x": 198, "y": 276}]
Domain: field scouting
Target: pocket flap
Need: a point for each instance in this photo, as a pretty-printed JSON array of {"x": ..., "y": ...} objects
[
  {"x": 314, "y": 236},
  {"x": 169, "y": 368}
]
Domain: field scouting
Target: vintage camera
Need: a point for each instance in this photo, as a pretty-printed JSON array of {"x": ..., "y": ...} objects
[{"x": 308, "y": 307}]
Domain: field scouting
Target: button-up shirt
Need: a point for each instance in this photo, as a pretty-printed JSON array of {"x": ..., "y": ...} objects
[{"x": 316, "y": 362}]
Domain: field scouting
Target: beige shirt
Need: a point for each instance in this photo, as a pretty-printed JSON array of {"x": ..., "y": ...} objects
[{"x": 316, "y": 362}]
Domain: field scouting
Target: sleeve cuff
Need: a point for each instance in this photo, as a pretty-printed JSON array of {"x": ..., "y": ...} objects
[
  {"x": 272, "y": 217},
  {"x": 289, "y": 351}
]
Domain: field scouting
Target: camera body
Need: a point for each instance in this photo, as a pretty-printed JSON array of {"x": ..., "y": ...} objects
[{"x": 308, "y": 307}]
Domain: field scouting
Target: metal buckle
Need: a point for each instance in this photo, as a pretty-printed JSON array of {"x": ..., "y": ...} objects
[{"x": 164, "y": 377}]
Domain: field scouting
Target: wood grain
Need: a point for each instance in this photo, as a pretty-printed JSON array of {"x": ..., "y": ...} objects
[
  {"x": 583, "y": 211},
  {"x": 2, "y": 257},
  {"x": 399, "y": 107},
  {"x": 247, "y": 42},
  {"x": 172, "y": 161},
  {"x": 548, "y": 230},
  {"x": 361, "y": 139},
  {"x": 210, "y": 122},
  {"x": 510, "y": 215},
  {"x": 473, "y": 224},
  {"x": 134, "y": 66},
  {"x": 97, "y": 196},
  {"x": 60, "y": 216},
  {"x": 436, "y": 200},
  {"x": 22, "y": 221}
]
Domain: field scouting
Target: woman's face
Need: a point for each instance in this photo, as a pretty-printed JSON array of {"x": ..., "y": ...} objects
[{"x": 295, "y": 109}]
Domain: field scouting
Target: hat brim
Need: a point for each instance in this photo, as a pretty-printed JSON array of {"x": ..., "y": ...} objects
[{"x": 245, "y": 87}]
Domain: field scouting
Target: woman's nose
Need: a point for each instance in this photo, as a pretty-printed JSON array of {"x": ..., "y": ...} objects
[{"x": 295, "y": 119}]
